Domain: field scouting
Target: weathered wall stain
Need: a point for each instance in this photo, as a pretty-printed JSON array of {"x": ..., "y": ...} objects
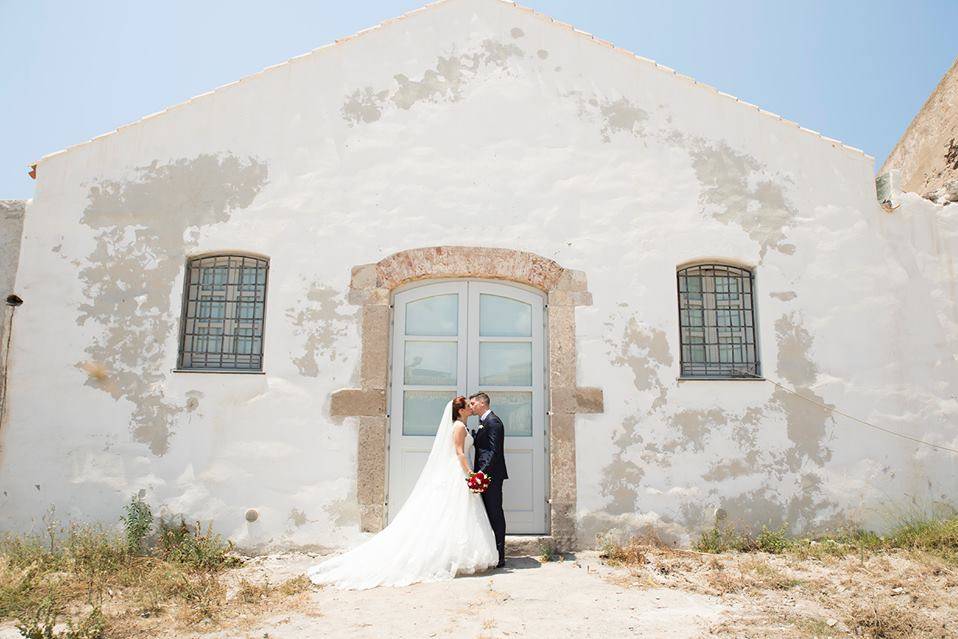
[
  {"x": 737, "y": 189},
  {"x": 621, "y": 116},
  {"x": 620, "y": 478},
  {"x": 319, "y": 320},
  {"x": 140, "y": 226},
  {"x": 785, "y": 296},
  {"x": 806, "y": 510},
  {"x": 193, "y": 398},
  {"x": 345, "y": 511},
  {"x": 612, "y": 116},
  {"x": 728, "y": 469},
  {"x": 694, "y": 427},
  {"x": 297, "y": 517},
  {"x": 445, "y": 81},
  {"x": 364, "y": 105},
  {"x": 644, "y": 350},
  {"x": 806, "y": 421}
]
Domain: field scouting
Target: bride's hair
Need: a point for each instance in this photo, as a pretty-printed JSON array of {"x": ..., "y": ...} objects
[{"x": 457, "y": 405}]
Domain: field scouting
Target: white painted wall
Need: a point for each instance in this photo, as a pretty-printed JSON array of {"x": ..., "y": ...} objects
[{"x": 536, "y": 139}]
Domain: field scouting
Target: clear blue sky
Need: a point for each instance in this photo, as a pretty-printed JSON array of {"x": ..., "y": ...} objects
[{"x": 70, "y": 70}]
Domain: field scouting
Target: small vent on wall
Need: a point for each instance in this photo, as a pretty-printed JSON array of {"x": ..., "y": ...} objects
[{"x": 887, "y": 188}]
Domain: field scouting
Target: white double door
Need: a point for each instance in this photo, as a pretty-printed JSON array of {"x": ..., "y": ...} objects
[{"x": 458, "y": 338}]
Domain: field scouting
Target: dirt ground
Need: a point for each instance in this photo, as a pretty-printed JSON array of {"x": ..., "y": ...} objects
[{"x": 659, "y": 593}]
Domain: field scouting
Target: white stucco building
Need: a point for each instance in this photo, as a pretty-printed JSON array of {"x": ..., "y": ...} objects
[{"x": 249, "y": 306}]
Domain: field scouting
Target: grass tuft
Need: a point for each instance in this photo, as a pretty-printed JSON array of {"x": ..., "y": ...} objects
[
  {"x": 549, "y": 550},
  {"x": 934, "y": 536},
  {"x": 192, "y": 546},
  {"x": 79, "y": 566}
]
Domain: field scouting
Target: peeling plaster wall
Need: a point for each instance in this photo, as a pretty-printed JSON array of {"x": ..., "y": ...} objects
[{"x": 473, "y": 122}]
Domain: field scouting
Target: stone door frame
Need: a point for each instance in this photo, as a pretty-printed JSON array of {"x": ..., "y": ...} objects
[{"x": 372, "y": 287}]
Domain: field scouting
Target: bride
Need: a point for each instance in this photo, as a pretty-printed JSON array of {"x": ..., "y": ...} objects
[{"x": 441, "y": 531}]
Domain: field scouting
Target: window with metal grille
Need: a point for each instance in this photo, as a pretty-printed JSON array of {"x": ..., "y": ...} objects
[
  {"x": 223, "y": 307},
  {"x": 717, "y": 322}
]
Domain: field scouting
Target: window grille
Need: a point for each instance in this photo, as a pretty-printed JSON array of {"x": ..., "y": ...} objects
[
  {"x": 223, "y": 309},
  {"x": 717, "y": 322}
]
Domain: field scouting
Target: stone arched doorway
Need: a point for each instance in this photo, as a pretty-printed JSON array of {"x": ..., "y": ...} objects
[{"x": 372, "y": 287}]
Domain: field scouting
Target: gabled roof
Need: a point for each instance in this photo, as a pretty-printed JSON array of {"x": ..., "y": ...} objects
[{"x": 386, "y": 23}]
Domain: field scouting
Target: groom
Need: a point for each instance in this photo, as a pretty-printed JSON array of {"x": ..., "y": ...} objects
[{"x": 489, "y": 442}]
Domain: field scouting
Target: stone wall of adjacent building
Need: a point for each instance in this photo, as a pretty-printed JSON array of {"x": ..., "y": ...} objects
[
  {"x": 11, "y": 230},
  {"x": 927, "y": 153}
]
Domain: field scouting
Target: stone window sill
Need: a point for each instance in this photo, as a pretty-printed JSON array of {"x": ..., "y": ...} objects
[
  {"x": 719, "y": 379},
  {"x": 229, "y": 371}
]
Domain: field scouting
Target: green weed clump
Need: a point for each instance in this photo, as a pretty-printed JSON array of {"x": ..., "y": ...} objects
[
  {"x": 933, "y": 536},
  {"x": 549, "y": 551},
  {"x": 137, "y": 524},
  {"x": 936, "y": 536},
  {"x": 195, "y": 547},
  {"x": 42, "y": 624}
]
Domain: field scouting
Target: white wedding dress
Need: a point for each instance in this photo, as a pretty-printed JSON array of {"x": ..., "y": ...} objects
[{"x": 441, "y": 531}]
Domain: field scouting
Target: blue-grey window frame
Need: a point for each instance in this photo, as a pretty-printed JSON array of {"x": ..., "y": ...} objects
[
  {"x": 229, "y": 361},
  {"x": 750, "y": 365}
]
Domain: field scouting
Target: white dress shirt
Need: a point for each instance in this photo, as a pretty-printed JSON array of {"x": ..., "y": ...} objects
[{"x": 488, "y": 410}]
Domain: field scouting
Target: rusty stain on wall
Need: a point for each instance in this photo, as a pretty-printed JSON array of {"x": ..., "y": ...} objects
[
  {"x": 193, "y": 398},
  {"x": 785, "y": 296},
  {"x": 141, "y": 226}
]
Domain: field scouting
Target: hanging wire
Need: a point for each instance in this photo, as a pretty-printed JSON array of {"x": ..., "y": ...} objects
[{"x": 851, "y": 417}]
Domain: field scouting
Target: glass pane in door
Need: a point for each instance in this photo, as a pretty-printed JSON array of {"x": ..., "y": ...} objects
[
  {"x": 515, "y": 411},
  {"x": 435, "y": 316},
  {"x": 430, "y": 363},
  {"x": 422, "y": 411},
  {"x": 503, "y": 317},
  {"x": 505, "y": 363}
]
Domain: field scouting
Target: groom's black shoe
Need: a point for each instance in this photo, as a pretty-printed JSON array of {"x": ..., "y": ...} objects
[{"x": 501, "y": 564}]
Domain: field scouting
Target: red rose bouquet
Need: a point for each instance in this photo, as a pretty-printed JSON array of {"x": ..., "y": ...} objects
[{"x": 478, "y": 482}]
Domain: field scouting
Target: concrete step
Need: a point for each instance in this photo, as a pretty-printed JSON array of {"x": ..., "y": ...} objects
[{"x": 526, "y": 544}]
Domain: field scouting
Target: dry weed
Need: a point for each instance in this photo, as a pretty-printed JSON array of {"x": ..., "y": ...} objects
[{"x": 883, "y": 620}]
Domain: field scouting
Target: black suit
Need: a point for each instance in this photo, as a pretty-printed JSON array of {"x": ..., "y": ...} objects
[{"x": 489, "y": 442}]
